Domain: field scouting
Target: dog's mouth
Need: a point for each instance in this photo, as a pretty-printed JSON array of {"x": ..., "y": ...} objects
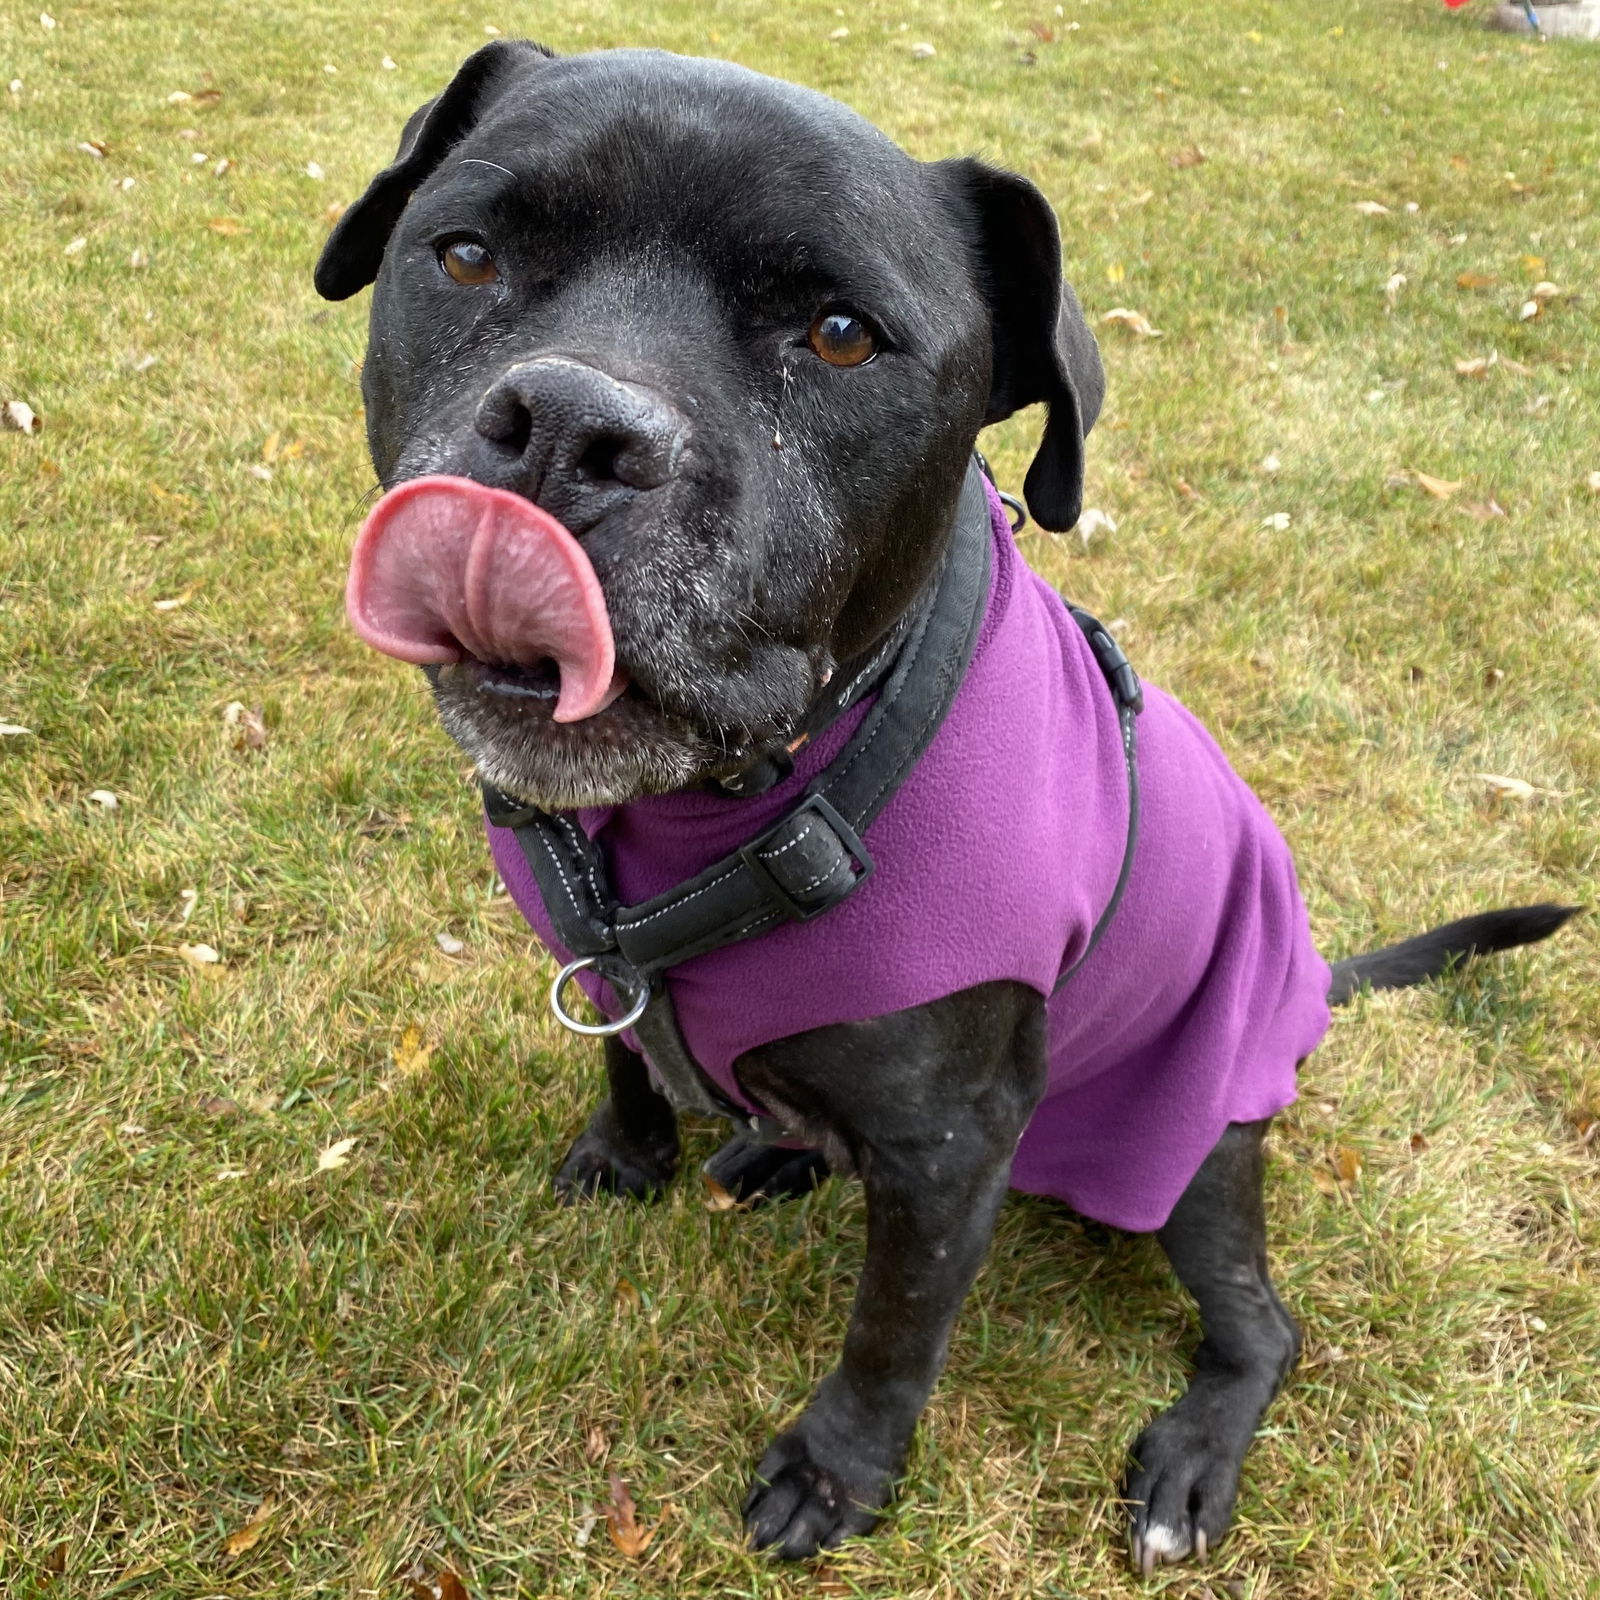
[{"x": 450, "y": 573}]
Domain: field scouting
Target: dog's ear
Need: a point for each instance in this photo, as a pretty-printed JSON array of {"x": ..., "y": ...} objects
[
  {"x": 1043, "y": 349},
  {"x": 354, "y": 251}
]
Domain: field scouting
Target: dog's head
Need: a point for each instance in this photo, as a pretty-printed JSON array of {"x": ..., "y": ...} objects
[{"x": 738, "y": 344}]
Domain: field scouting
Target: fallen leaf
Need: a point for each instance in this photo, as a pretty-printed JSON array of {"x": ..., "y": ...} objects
[
  {"x": 1278, "y": 522},
  {"x": 55, "y": 1560},
  {"x": 1134, "y": 321},
  {"x": 314, "y": 171},
  {"x": 1346, "y": 1163},
  {"x": 260, "y": 470},
  {"x": 104, "y": 799},
  {"x": 586, "y": 1527},
  {"x": 12, "y": 730},
  {"x": 47, "y": 22},
  {"x": 1391, "y": 290},
  {"x": 1489, "y": 510},
  {"x": 199, "y": 955},
  {"x": 1191, "y": 156},
  {"x": 179, "y": 97},
  {"x": 1439, "y": 488},
  {"x": 923, "y": 51},
  {"x": 412, "y": 1054},
  {"x": 247, "y": 727},
  {"x": 840, "y": 33},
  {"x": 222, "y": 167},
  {"x": 628, "y": 1534},
  {"x": 1270, "y": 465},
  {"x": 1473, "y": 367},
  {"x": 1531, "y": 309},
  {"x": 449, "y": 1586},
  {"x": 1594, "y": 483},
  {"x": 1188, "y": 490},
  {"x": 718, "y": 1198},
  {"x": 1475, "y": 280},
  {"x": 1372, "y": 208},
  {"x": 1419, "y": 1143},
  {"x": 1533, "y": 266},
  {"x": 228, "y": 227},
  {"x": 389, "y": 64},
  {"x": 426, "y": 1585},
  {"x": 20, "y": 416},
  {"x": 595, "y": 1445},
  {"x": 628, "y": 1296},
  {"x": 336, "y": 1155},
  {"x": 448, "y": 943},
  {"x": 216, "y": 1106},
  {"x": 76, "y": 248},
  {"x": 1503, "y": 788},
  {"x": 250, "y": 1535},
  {"x": 1544, "y": 293}
]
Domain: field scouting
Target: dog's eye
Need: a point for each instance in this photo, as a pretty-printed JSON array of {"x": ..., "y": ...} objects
[
  {"x": 842, "y": 340},
  {"x": 468, "y": 262}
]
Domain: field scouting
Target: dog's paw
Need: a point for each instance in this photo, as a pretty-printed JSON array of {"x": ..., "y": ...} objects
[
  {"x": 801, "y": 1503},
  {"x": 756, "y": 1173},
  {"x": 600, "y": 1162},
  {"x": 1183, "y": 1478}
]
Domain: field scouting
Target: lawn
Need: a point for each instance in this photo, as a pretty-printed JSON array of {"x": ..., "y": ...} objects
[{"x": 1370, "y": 571}]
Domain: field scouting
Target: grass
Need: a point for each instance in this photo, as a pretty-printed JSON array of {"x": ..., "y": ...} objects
[{"x": 416, "y": 1353}]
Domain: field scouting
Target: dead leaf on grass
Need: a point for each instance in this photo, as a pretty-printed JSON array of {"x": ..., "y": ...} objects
[
  {"x": 104, "y": 799},
  {"x": 628, "y": 1534},
  {"x": 1418, "y": 1143},
  {"x": 1372, "y": 208},
  {"x": 1594, "y": 483},
  {"x": 247, "y": 727},
  {"x": 216, "y": 1106},
  {"x": 1191, "y": 156},
  {"x": 1134, "y": 321},
  {"x": 628, "y": 1297},
  {"x": 427, "y": 1585},
  {"x": 1474, "y": 366},
  {"x": 1391, "y": 291},
  {"x": 448, "y": 943},
  {"x": 337, "y": 1154},
  {"x": 1476, "y": 280},
  {"x": 596, "y": 1447},
  {"x": 718, "y": 1198},
  {"x": 228, "y": 227},
  {"x": 199, "y": 955},
  {"x": 1501, "y": 787},
  {"x": 413, "y": 1053},
  {"x": 1439, "y": 488},
  {"x": 55, "y": 1560},
  {"x": 21, "y": 417},
  {"x": 1346, "y": 1163},
  {"x": 13, "y": 730},
  {"x": 251, "y": 1534}
]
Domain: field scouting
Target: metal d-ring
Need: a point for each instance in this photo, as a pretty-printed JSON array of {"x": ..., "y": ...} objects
[{"x": 593, "y": 1030}]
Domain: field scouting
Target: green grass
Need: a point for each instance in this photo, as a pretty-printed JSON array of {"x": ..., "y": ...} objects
[{"x": 411, "y": 1351}]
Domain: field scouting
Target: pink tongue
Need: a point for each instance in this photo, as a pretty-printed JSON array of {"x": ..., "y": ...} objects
[{"x": 445, "y": 567}]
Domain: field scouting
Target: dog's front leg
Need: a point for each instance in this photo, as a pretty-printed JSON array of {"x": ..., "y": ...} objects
[
  {"x": 927, "y": 1105},
  {"x": 631, "y": 1144}
]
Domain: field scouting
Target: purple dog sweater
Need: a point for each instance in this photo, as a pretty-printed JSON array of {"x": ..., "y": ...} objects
[{"x": 994, "y": 860}]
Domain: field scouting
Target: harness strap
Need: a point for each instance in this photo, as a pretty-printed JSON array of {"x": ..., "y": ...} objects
[{"x": 813, "y": 857}]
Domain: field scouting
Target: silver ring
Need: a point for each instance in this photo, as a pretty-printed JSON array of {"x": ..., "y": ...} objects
[{"x": 593, "y": 1030}]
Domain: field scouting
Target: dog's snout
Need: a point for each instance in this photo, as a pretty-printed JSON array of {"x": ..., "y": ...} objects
[{"x": 575, "y": 439}]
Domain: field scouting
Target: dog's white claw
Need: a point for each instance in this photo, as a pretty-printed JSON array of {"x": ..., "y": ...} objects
[
  {"x": 1162, "y": 1543},
  {"x": 1200, "y": 1545}
]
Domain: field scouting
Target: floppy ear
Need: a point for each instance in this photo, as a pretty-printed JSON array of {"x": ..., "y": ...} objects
[
  {"x": 354, "y": 251},
  {"x": 1043, "y": 349}
]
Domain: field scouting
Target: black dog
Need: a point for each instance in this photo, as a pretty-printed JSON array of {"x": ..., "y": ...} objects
[{"x": 741, "y": 345}]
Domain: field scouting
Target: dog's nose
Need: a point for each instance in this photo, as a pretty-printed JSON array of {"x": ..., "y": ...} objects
[{"x": 575, "y": 439}]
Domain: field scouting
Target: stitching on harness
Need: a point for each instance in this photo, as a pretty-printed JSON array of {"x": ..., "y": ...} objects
[
  {"x": 566, "y": 888},
  {"x": 772, "y": 855},
  {"x": 821, "y": 879},
  {"x": 583, "y": 856},
  {"x": 703, "y": 889}
]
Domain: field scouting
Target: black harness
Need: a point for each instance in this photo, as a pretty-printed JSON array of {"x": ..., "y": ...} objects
[{"x": 813, "y": 857}]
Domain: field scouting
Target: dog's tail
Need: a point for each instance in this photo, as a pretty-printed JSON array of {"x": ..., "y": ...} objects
[{"x": 1416, "y": 960}]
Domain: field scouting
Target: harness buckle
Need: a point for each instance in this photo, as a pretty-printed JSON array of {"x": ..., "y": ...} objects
[{"x": 758, "y": 853}]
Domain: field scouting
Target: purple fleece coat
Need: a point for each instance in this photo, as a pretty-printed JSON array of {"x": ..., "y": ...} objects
[{"x": 994, "y": 860}]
